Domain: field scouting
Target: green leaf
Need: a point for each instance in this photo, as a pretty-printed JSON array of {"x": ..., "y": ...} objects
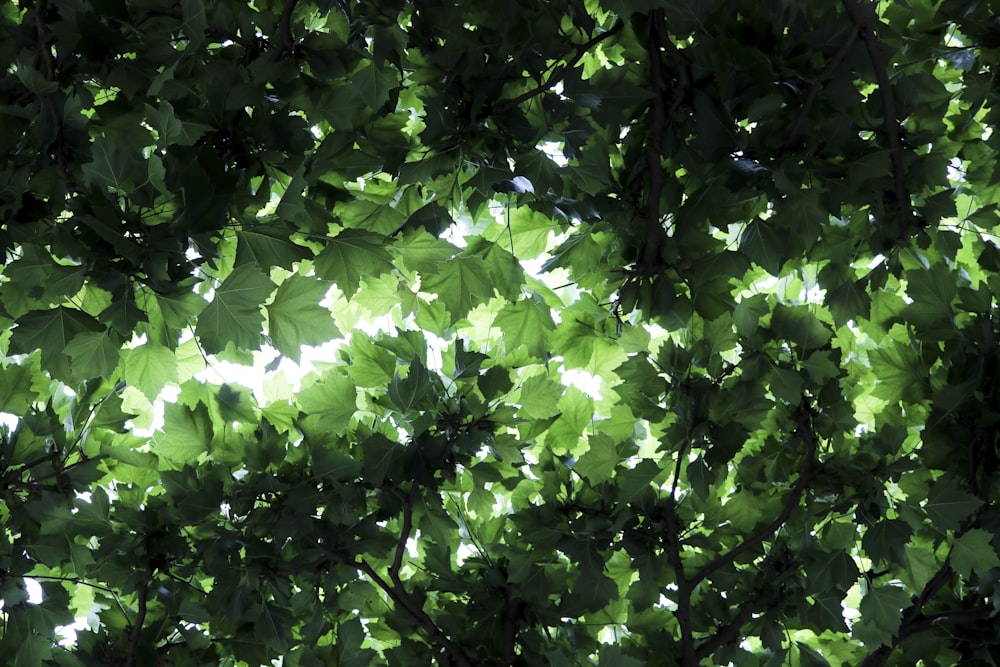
[
  {"x": 886, "y": 539},
  {"x": 179, "y": 307},
  {"x": 380, "y": 455},
  {"x": 461, "y": 284},
  {"x": 351, "y": 255},
  {"x": 186, "y": 433},
  {"x": 370, "y": 365},
  {"x": 350, "y": 635},
  {"x": 598, "y": 463},
  {"x": 373, "y": 83},
  {"x": 16, "y": 381},
  {"x": 633, "y": 483},
  {"x": 109, "y": 167},
  {"x": 540, "y": 397},
  {"x": 414, "y": 392},
  {"x": 898, "y": 373},
  {"x": 331, "y": 402},
  {"x": 764, "y": 244},
  {"x": 234, "y": 315},
  {"x": 268, "y": 246},
  {"x": 467, "y": 363},
  {"x": 527, "y": 322},
  {"x": 93, "y": 354},
  {"x": 51, "y": 331},
  {"x": 150, "y": 367},
  {"x": 530, "y": 232},
  {"x": 800, "y": 325},
  {"x": 974, "y": 552},
  {"x": 169, "y": 129},
  {"x": 833, "y": 571},
  {"x": 333, "y": 465},
  {"x": 421, "y": 252},
  {"x": 882, "y": 612},
  {"x": 295, "y": 317},
  {"x": 33, "y": 651},
  {"x": 948, "y": 505}
]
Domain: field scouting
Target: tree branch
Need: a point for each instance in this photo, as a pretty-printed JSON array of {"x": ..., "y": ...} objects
[
  {"x": 404, "y": 533},
  {"x": 285, "y": 39},
  {"x": 684, "y": 587},
  {"x": 732, "y": 631},
  {"x": 806, "y": 475},
  {"x": 512, "y": 613},
  {"x": 913, "y": 617},
  {"x": 654, "y": 142},
  {"x": 395, "y": 590},
  {"x": 140, "y": 617},
  {"x": 890, "y": 122},
  {"x": 548, "y": 84}
]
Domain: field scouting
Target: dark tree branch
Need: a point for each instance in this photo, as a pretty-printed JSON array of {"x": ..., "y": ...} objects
[
  {"x": 817, "y": 85},
  {"x": 404, "y": 533},
  {"x": 511, "y": 617},
  {"x": 654, "y": 142},
  {"x": 806, "y": 475},
  {"x": 140, "y": 617},
  {"x": 557, "y": 76},
  {"x": 285, "y": 40},
  {"x": 15, "y": 473},
  {"x": 733, "y": 631},
  {"x": 684, "y": 587},
  {"x": 890, "y": 121},
  {"x": 913, "y": 616},
  {"x": 394, "y": 588}
]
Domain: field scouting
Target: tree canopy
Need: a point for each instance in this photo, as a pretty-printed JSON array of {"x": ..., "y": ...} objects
[{"x": 577, "y": 332}]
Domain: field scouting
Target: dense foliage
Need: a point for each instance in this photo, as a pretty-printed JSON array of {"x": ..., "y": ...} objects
[{"x": 557, "y": 333}]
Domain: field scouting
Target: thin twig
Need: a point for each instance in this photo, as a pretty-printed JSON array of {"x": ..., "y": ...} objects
[
  {"x": 890, "y": 122},
  {"x": 557, "y": 76}
]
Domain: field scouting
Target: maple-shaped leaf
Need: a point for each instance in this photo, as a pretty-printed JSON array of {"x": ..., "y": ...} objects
[
  {"x": 51, "y": 332},
  {"x": 295, "y": 317},
  {"x": 974, "y": 552},
  {"x": 93, "y": 354},
  {"x": 882, "y": 613},
  {"x": 416, "y": 391},
  {"x": 268, "y": 246},
  {"x": 598, "y": 463},
  {"x": 540, "y": 397},
  {"x": 423, "y": 252},
  {"x": 109, "y": 168},
  {"x": 461, "y": 283},
  {"x": 149, "y": 367},
  {"x": 948, "y": 504},
  {"x": 330, "y": 402},
  {"x": 351, "y": 255},
  {"x": 186, "y": 433},
  {"x": 527, "y": 322},
  {"x": 234, "y": 313}
]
